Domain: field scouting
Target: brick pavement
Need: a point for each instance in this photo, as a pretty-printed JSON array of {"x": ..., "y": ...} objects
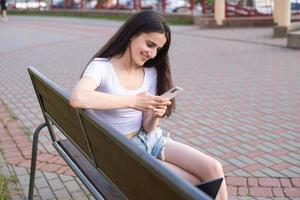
[{"x": 240, "y": 105}]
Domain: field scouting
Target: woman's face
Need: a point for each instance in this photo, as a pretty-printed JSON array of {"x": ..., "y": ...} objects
[{"x": 145, "y": 46}]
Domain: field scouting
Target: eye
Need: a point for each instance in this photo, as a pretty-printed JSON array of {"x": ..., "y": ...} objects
[{"x": 150, "y": 44}]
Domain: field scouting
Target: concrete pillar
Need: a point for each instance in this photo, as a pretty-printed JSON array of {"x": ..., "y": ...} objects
[
  {"x": 284, "y": 13},
  {"x": 284, "y": 18},
  {"x": 276, "y": 8},
  {"x": 219, "y": 11}
]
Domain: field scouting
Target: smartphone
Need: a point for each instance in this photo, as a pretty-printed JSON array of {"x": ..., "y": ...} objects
[{"x": 170, "y": 94}]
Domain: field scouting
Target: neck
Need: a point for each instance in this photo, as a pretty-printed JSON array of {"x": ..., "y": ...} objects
[{"x": 125, "y": 61}]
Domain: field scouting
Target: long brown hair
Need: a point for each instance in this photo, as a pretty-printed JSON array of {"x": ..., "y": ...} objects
[{"x": 144, "y": 22}]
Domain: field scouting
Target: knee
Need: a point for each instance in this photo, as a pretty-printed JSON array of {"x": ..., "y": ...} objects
[{"x": 217, "y": 168}]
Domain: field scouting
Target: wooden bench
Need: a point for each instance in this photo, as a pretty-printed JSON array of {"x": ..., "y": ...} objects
[{"x": 107, "y": 163}]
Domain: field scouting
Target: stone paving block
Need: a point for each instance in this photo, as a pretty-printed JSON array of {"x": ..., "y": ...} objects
[
  {"x": 289, "y": 173},
  {"x": 62, "y": 194},
  {"x": 294, "y": 144},
  {"x": 41, "y": 182},
  {"x": 272, "y": 146},
  {"x": 45, "y": 193},
  {"x": 249, "y": 137},
  {"x": 79, "y": 195},
  {"x": 288, "y": 147},
  {"x": 65, "y": 178},
  {"x": 223, "y": 149},
  {"x": 195, "y": 141},
  {"x": 239, "y": 149},
  {"x": 288, "y": 125},
  {"x": 241, "y": 198},
  {"x": 291, "y": 135},
  {"x": 264, "y": 148},
  {"x": 272, "y": 158},
  {"x": 218, "y": 140},
  {"x": 272, "y": 173},
  {"x": 292, "y": 192},
  {"x": 237, "y": 162},
  {"x": 56, "y": 184},
  {"x": 242, "y": 138},
  {"x": 214, "y": 151},
  {"x": 265, "y": 137},
  {"x": 245, "y": 159},
  {"x": 241, "y": 173},
  {"x": 259, "y": 174},
  {"x": 23, "y": 180},
  {"x": 289, "y": 159},
  {"x": 50, "y": 176},
  {"x": 20, "y": 171},
  {"x": 247, "y": 147},
  {"x": 203, "y": 139},
  {"x": 72, "y": 186},
  {"x": 295, "y": 169},
  {"x": 261, "y": 191}
]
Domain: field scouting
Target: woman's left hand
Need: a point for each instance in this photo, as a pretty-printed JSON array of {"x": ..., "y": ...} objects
[{"x": 159, "y": 111}]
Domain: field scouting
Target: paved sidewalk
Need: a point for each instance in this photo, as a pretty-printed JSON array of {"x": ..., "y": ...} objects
[{"x": 240, "y": 105}]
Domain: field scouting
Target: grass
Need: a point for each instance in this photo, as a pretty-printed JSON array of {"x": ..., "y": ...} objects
[
  {"x": 4, "y": 193},
  {"x": 27, "y": 131},
  {"x": 11, "y": 113},
  {"x": 88, "y": 15}
]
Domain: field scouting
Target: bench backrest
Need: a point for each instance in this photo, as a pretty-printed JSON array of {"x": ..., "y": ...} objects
[
  {"x": 56, "y": 107},
  {"x": 132, "y": 170}
]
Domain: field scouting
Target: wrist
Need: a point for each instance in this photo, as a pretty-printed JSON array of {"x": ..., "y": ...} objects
[{"x": 130, "y": 101}]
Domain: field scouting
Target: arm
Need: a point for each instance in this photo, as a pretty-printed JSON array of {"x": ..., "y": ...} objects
[
  {"x": 152, "y": 118},
  {"x": 85, "y": 96}
]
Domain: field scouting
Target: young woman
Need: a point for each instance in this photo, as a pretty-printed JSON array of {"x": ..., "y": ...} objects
[
  {"x": 3, "y": 10},
  {"x": 122, "y": 84}
]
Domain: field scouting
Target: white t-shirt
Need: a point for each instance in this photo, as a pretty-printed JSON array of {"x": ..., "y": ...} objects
[{"x": 123, "y": 120}]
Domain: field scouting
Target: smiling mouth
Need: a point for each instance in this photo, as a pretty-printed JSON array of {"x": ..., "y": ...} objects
[{"x": 144, "y": 57}]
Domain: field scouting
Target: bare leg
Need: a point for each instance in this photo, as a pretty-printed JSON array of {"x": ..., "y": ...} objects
[
  {"x": 182, "y": 173},
  {"x": 4, "y": 15},
  {"x": 195, "y": 162}
]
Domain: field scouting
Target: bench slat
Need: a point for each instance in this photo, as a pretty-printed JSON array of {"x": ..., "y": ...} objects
[
  {"x": 99, "y": 181},
  {"x": 137, "y": 175},
  {"x": 57, "y": 106}
]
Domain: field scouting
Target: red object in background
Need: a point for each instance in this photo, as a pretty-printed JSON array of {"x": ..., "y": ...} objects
[
  {"x": 192, "y": 6},
  {"x": 163, "y": 5}
]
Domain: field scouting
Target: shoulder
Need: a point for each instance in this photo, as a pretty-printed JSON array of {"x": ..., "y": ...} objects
[
  {"x": 97, "y": 69},
  {"x": 151, "y": 75},
  {"x": 151, "y": 72},
  {"x": 99, "y": 62},
  {"x": 97, "y": 65}
]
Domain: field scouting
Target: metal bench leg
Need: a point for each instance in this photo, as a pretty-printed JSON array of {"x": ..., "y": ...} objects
[{"x": 33, "y": 158}]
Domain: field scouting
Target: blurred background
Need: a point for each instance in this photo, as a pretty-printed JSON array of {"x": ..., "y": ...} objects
[{"x": 234, "y": 8}]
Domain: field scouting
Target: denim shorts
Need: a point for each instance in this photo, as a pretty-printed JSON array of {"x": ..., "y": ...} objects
[{"x": 153, "y": 142}]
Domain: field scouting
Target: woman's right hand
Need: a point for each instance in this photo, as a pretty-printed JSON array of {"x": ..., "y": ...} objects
[{"x": 145, "y": 101}]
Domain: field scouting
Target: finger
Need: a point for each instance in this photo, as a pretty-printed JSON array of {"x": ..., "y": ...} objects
[
  {"x": 159, "y": 112},
  {"x": 160, "y": 107},
  {"x": 160, "y": 99},
  {"x": 158, "y": 115},
  {"x": 164, "y": 104}
]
